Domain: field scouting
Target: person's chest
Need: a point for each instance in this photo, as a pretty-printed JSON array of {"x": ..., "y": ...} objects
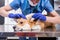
[{"x": 27, "y": 8}]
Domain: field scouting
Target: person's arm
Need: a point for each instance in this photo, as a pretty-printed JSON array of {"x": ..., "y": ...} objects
[
  {"x": 4, "y": 10},
  {"x": 48, "y": 7},
  {"x": 54, "y": 19}
]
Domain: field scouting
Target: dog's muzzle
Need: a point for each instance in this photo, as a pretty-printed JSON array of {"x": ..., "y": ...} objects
[{"x": 27, "y": 28}]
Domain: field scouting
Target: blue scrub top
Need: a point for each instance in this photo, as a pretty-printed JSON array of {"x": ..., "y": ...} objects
[{"x": 27, "y": 9}]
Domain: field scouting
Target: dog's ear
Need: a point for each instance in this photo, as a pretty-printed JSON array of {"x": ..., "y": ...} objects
[{"x": 29, "y": 16}]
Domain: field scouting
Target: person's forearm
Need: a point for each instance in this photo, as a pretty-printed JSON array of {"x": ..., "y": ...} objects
[
  {"x": 53, "y": 19},
  {"x": 3, "y": 12}
]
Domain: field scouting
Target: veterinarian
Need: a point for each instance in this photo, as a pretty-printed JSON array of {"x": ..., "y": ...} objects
[{"x": 31, "y": 6}]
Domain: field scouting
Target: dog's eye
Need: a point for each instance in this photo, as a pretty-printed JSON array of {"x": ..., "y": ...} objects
[{"x": 21, "y": 22}]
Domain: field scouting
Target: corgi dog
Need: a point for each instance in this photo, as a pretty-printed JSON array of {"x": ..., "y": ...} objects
[
  {"x": 32, "y": 24},
  {"x": 28, "y": 24}
]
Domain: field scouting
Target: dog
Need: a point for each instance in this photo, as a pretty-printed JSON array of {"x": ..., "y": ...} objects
[
  {"x": 28, "y": 24},
  {"x": 32, "y": 24}
]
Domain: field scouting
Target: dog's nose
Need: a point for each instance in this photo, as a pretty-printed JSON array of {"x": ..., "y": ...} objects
[{"x": 21, "y": 22}]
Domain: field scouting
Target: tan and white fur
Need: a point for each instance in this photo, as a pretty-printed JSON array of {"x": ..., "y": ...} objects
[
  {"x": 35, "y": 24},
  {"x": 29, "y": 23}
]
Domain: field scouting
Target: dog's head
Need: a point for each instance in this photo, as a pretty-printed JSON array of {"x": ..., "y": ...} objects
[
  {"x": 29, "y": 23},
  {"x": 21, "y": 21},
  {"x": 22, "y": 24}
]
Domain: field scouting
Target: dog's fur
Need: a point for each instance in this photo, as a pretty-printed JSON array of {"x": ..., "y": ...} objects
[
  {"x": 49, "y": 26},
  {"x": 31, "y": 23}
]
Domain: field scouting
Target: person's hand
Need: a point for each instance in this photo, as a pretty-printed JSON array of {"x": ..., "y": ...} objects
[
  {"x": 39, "y": 16},
  {"x": 16, "y": 16}
]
